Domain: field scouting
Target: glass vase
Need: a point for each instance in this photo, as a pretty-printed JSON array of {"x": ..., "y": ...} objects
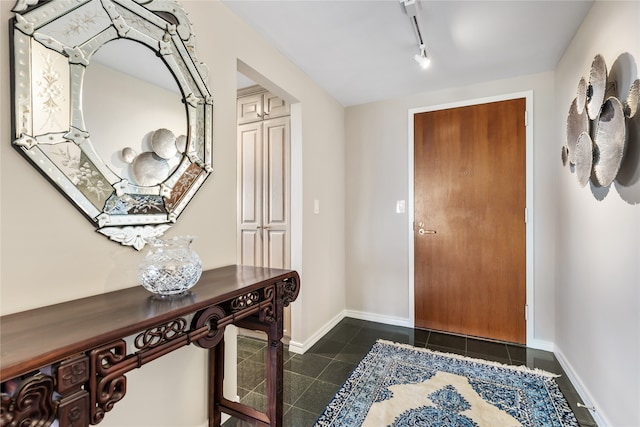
[{"x": 171, "y": 266}]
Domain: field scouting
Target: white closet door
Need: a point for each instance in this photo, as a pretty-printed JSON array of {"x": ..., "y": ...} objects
[
  {"x": 250, "y": 204},
  {"x": 264, "y": 166},
  {"x": 276, "y": 192}
]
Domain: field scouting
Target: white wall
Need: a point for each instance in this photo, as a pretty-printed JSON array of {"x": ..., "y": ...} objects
[
  {"x": 377, "y": 162},
  {"x": 597, "y": 269},
  {"x": 51, "y": 253}
]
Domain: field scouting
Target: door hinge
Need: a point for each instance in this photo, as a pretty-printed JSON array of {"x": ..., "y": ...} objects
[
  {"x": 526, "y": 312},
  {"x": 526, "y": 215},
  {"x": 526, "y": 118}
]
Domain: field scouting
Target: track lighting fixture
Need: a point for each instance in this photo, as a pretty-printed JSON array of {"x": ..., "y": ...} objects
[{"x": 411, "y": 9}]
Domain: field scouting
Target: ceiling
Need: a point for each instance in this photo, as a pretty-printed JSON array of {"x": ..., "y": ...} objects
[{"x": 362, "y": 51}]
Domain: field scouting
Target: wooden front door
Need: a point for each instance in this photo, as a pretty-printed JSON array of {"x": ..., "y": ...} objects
[{"x": 470, "y": 236}]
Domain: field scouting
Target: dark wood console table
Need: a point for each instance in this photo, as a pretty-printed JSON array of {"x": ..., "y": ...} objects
[{"x": 68, "y": 361}]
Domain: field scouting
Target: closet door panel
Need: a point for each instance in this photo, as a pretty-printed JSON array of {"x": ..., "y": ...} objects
[
  {"x": 250, "y": 184},
  {"x": 276, "y": 249},
  {"x": 250, "y": 109},
  {"x": 251, "y": 248},
  {"x": 274, "y": 106},
  {"x": 250, "y": 174},
  {"x": 276, "y": 167}
]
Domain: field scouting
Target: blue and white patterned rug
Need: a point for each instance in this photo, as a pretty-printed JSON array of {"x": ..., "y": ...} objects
[{"x": 397, "y": 385}]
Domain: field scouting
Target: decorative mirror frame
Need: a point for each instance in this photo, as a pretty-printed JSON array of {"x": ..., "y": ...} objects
[{"x": 51, "y": 133}]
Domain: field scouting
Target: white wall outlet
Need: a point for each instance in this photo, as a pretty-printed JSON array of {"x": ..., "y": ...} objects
[{"x": 316, "y": 206}]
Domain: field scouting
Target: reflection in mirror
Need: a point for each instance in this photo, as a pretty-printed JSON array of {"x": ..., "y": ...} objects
[{"x": 116, "y": 91}]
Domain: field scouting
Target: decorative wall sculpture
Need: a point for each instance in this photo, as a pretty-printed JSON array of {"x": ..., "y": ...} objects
[{"x": 597, "y": 126}]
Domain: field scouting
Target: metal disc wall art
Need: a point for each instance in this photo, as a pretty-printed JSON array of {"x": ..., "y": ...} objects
[
  {"x": 597, "y": 86},
  {"x": 610, "y": 137},
  {"x": 597, "y": 135},
  {"x": 150, "y": 169},
  {"x": 128, "y": 155},
  {"x": 584, "y": 158},
  {"x": 163, "y": 143},
  {"x": 633, "y": 99},
  {"x": 577, "y": 123},
  {"x": 181, "y": 143},
  {"x": 581, "y": 95}
]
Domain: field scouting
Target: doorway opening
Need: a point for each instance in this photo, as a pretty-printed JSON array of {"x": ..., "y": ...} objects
[{"x": 269, "y": 181}]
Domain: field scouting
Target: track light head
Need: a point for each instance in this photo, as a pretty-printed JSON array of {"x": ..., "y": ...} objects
[{"x": 421, "y": 58}]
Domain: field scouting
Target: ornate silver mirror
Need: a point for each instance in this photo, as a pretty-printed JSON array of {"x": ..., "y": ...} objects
[{"x": 129, "y": 160}]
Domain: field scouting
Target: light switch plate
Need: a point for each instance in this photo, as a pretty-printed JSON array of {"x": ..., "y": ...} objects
[{"x": 400, "y": 206}]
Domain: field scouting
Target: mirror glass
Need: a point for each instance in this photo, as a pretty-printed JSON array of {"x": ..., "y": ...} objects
[
  {"x": 141, "y": 102},
  {"x": 112, "y": 106}
]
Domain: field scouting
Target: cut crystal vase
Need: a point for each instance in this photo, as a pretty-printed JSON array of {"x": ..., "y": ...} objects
[{"x": 171, "y": 266}]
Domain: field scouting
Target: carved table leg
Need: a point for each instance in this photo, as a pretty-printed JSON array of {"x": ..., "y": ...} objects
[
  {"x": 275, "y": 384},
  {"x": 275, "y": 371},
  {"x": 216, "y": 383},
  {"x": 249, "y": 312}
]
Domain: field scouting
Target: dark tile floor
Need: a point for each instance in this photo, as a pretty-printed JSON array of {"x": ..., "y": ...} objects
[{"x": 312, "y": 379}]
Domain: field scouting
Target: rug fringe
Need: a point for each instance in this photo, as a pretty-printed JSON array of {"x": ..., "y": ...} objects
[{"x": 520, "y": 368}]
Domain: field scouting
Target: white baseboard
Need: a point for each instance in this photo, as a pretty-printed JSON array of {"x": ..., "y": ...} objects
[
  {"x": 541, "y": 345},
  {"x": 372, "y": 317},
  {"x": 599, "y": 417},
  {"x": 301, "y": 348}
]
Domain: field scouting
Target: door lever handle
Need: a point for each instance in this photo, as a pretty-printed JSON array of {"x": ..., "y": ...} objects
[{"x": 423, "y": 231}]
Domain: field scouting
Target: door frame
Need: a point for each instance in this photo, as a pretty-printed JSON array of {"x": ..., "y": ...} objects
[{"x": 527, "y": 215}]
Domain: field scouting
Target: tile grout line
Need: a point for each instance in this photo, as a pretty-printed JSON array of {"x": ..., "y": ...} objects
[
  {"x": 317, "y": 377},
  {"x": 293, "y": 403},
  {"x": 509, "y": 354}
]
